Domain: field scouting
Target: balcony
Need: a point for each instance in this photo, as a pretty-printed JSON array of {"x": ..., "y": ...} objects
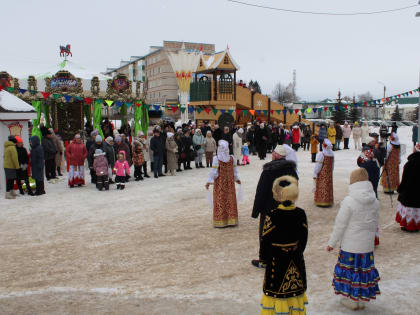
[{"x": 203, "y": 91}]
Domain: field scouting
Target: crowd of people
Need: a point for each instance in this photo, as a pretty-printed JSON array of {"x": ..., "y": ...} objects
[{"x": 283, "y": 228}]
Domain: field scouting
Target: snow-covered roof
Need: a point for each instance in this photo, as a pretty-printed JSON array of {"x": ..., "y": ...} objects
[
  {"x": 10, "y": 103},
  {"x": 213, "y": 61},
  {"x": 75, "y": 69}
]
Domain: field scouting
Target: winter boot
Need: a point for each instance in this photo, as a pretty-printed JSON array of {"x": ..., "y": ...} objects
[
  {"x": 258, "y": 263},
  {"x": 349, "y": 303},
  {"x": 196, "y": 165},
  {"x": 237, "y": 163},
  {"x": 137, "y": 179},
  {"x": 201, "y": 165},
  {"x": 118, "y": 186},
  {"x": 9, "y": 195},
  {"x": 106, "y": 184},
  {"x": 59, "y": 171},
  {"x": 99, "y": 185},
  {"x": 122, "y": 186}
]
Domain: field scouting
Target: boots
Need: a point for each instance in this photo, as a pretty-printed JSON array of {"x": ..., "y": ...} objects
[
  {"x": 106, "y": 184},
  {"x": 201, "y": 165},
  {"x": 58, "y": 171},
  {"x": 99, "y": 184},
  {"x": 196, "y": 165},
  {"x": 9, "y": 195}
]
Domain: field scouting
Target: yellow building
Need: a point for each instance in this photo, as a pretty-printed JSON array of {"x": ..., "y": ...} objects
[{"x": 214, "y": 92}]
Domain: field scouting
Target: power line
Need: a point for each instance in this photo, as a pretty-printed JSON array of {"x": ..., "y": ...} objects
[{"x": 320, "y": 13}]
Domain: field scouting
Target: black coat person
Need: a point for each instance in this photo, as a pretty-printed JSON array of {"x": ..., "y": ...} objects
[
  {"x": 261, "y": 138},
  {"x": 37, "y": 164},
  {"x": 50, "y": 152},
  {"x": 264, "y": 201},
  {"x": 217, "y": 134},
  {"x": 408, "y": 190},
  {"x": 228, "y": 137}
]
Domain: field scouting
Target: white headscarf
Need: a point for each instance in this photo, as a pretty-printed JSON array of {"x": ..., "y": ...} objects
[
  {"x": 394, "y": 139},
  {"x": 240, "y": 130},
  {"x": 327, "y": 151},
  {"x": 170, "y": 135},
  {"x": 223, "y": 151},
  {"x": 290, "y": 154}
]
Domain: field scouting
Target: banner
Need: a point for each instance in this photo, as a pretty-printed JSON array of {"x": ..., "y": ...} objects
[
  {"x": 46, "y": 110},
  {"x": 137, "y": 118},
  {"x": 144, "y": 118},
  {"x": 97, "y": 117},
  {"x": 35, "y": 123}
]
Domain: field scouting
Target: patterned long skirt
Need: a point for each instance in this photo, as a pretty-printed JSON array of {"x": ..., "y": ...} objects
[
  {"x": 291, "y": 306},
  {"x": 76, "y": 175},
  {"x": 225, "y": 208},
  {"x": 356, "y": 277},
  {"x": 408, "y": 218},
  {"x": 324, "y": 193},
  {"x": 391, "y": 174}
]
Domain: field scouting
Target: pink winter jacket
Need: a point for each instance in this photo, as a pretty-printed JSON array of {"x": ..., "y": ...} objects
[
  {"x": 122, "y": 168},
  {"x": 100, "y": 165}
]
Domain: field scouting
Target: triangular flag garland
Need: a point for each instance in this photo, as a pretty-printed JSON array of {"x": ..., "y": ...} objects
[{"x": 208, "y": 110}]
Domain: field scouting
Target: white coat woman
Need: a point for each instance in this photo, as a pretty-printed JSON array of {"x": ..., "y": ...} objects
[{"x": 237, "y": 146}]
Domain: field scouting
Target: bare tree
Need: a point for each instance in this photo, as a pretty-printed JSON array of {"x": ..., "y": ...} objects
[
  {"x": 284, "y": 94},
  {"x": 364, "y": 97},
  {"x": 347, "y": 98}
]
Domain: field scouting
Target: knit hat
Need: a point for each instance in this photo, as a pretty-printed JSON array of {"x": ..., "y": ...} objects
[
  {"x": 109, "y": 140},
  {"x": 285, "y": 189},
  {"x": 98, "y": 152},
  {"x": 94, "y": 133},
  {"x": 18, "y": 139},
  {"x": 140, "y": 133},
  {"x": 240, "y": 130},
  {"x": 359, "y": 175},
  {"x": 118, "y": 138},
  {"x": 98, "y": 138},
  {"x": 369, "y": 139},
  {"x": 280, "y": 150}
]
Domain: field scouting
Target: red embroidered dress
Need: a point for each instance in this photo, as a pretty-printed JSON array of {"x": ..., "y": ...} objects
[
  {"x": 390, "y": 179},
  {"x": 324, "y": 194}
]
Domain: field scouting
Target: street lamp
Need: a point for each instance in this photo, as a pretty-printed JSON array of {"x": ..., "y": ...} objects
[{"x": 383, "y": 109}]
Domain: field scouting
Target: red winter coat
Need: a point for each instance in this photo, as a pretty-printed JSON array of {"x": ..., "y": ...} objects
[
  {"x": 76, "y": 153},
  {"x": 295, "y": 135}
]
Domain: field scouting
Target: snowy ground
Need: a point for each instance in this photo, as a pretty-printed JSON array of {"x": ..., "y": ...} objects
[{"x": 151, "y": 249}]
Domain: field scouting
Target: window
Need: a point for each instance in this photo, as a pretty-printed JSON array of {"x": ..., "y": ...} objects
[{"x": 226, "y": 60}]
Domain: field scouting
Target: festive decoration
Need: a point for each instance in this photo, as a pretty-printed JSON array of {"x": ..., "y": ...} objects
[
  {"x": 35, "y": 123},
  {"x": 97, "y": 117}
]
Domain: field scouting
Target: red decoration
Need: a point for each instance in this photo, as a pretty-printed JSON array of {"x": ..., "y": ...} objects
[
  {"x": 138, "y": 104},
  {"x": 238, "y": 112},
  {"x": 207, "y": 110},
  {"x": 411, "y": 92},
  {"x": 296, "y": 111},
  {"x": 45, "y": 95},
  {"x": 399, "y": 95},
  {"x": 174, "y": 109},
  {"x": 365, "y": 103},
  {"x": 88, "y": 100},
  {"x": 345, "y": 106},
  {"x": 1, "y": 87},
  {"x": 271, "y": 111},
  {"x": 325, "y": 108}
]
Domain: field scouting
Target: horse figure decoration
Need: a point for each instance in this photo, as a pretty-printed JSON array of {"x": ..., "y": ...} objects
[{"x": 65, "y": 51}]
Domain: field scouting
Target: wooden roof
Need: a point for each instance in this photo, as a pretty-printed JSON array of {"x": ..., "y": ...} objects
[{"x": 219, "y": 61}]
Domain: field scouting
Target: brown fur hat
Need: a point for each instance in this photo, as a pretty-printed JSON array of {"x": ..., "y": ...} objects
[
  {"x": 286, "y": 188},
  {"x": 358, "y": 175}
]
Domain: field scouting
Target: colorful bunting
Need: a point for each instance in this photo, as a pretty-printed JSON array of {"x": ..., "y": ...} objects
[
  {"x": 109, "y": 102},
  {"x": 128, "y": 104},
  {"x": 67, "y": 98},
  {"x": 207, "y": 110},
  {"x": 156, "y": 107},
  {"x": 199, "y": 110},
  {"x": 214, "y": 110},
  {"x": 252, "y": 112},
  {"x": 22, "y": 91}
]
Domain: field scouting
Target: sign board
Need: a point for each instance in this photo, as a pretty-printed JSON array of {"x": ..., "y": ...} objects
[{"x": 61, "y": 83}]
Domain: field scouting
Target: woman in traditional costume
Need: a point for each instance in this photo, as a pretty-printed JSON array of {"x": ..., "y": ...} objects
[
  {"x": 323, "y": 176},
  {"x": 76, "y": 153},
  {"x": 284, "y": 238},
  {"x": 355, "y": 275},
  {"x": 223, "y": 175},
  {"x": 391, "y": 172},
  {"x": 408, "y": 214}
]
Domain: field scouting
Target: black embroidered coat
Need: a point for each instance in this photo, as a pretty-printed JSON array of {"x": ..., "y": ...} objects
[{"x": 284, "y": 240}]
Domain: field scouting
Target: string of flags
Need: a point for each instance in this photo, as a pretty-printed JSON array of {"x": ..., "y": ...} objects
[{"x": 208, "y": 110}]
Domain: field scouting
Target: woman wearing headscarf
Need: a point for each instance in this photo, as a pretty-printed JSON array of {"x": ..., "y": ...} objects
[
  {"x": 172, "y": 153},
  {"x": 224, "y": 175},
  {"x": 210, "y": 148},
  {"x": 408, "y": 214},
  {"x": 364, "y": 133},
  {"x": 323, "y": 176},
  {"x": 237, "y": 145},
  {"x": 390, "y": 179},
  {"x": 198, "y": 142},
  {"x": 357, "y": 133}
]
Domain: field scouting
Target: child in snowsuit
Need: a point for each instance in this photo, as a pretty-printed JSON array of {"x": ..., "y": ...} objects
[
  {"x": 122, "y": 170},
  {"x": 245, "y": 153},
  {"x": 138, "y": 160},
  {"x": 314, "y": 147},
  {"x": 100, "y": 166},
  {"x": 355, "y": 275}
]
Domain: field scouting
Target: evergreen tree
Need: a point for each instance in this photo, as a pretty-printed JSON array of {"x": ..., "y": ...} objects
[
  {"x": 256, "y": 87},
  {"x": 354, "y": 114},
  {"x": 339, "y": 115},
  {"x": 396, "y": 115}
]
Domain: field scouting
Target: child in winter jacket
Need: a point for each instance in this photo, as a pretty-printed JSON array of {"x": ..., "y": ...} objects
[
  {"x": 245, "y": 153},
  {"x": 100, "y": 166},
  {"x": 138, "y": 160},
  {"x": 122, "y": 170},
  {"x": 355, "y": 275},
  {"x": 314, "y": 147}
]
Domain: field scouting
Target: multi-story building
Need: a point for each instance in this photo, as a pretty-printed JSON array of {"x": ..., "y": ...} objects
[{"x": 155, "y": 70}]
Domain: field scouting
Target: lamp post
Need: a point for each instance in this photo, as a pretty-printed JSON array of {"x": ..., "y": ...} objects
[
  {"x": 383, "y": 109},
  {"x": 418, "y": 113}
]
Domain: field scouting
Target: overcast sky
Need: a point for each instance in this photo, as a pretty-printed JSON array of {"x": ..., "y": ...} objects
[{"x": 328, "y": 52}]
